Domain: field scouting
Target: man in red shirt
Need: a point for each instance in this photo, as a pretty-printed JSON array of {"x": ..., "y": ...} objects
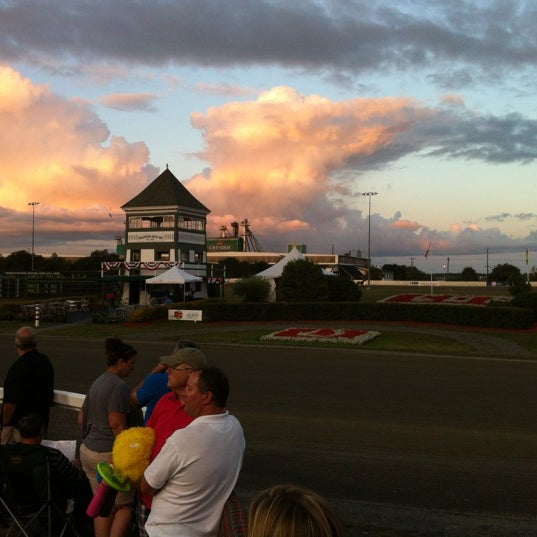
[{"x": 169, "y": 414}]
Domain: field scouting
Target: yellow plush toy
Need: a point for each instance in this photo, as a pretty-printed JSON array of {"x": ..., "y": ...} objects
[{"x": 132, "y": 451}]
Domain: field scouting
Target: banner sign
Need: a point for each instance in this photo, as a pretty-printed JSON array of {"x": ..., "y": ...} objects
[{"x": 184, "y": 315}]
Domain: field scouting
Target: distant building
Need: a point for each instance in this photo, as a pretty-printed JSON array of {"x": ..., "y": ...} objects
[{"x": 165, "y": 225}]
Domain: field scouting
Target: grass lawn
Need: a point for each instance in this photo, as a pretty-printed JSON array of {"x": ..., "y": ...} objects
[{"x": 417, "y": 340}]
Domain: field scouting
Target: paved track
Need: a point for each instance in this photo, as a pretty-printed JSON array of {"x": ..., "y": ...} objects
[{"x": 407, "y": 442}]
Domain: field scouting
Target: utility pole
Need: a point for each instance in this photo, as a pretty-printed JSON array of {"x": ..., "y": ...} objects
[
  {"x": 369, "y": 195},
  {"x": 33, "y": 204}
]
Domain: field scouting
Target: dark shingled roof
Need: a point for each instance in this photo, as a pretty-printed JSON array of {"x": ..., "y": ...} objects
[{"x": 165, "y": 190}]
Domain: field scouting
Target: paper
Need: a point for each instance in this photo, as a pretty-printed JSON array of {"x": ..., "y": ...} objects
[{"x": 67, "y": 447}]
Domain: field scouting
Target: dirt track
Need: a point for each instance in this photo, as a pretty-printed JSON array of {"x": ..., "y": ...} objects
[{"x": 402, "y": 444}]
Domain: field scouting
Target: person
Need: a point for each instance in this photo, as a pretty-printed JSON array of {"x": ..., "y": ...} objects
[
  {"x": 169, "y": 414},
  {"x": 198, "y": 466},
  {"x": 104, "y": 414},
  {"x": 68, "y": 480},
  {"x": 150, "y": 389},
  {"x": 288, "y": 511},
  {"x": 28, "y": 386}
]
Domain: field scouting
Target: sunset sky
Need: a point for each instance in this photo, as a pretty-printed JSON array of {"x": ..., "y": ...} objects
[{"x": 280, "y": 112}]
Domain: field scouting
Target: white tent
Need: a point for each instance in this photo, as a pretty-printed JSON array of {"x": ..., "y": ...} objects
[
  {"x": 275, "y": 271},
  {"x": 174, "y": 276}
]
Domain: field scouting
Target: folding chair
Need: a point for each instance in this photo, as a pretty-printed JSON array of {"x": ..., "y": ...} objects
[
  {"x": 26, "y": 493},
  {"x": 233, "y": 522}
]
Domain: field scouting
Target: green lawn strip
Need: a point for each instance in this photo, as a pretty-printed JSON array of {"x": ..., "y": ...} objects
[
  {"x": 528, "y": 340},
  {"x": 237, "y": 334}
]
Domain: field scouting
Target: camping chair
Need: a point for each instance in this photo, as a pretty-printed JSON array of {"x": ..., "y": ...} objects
[
  {"x": 233, "y": 522},
  {"x": 26, "y": 492}
]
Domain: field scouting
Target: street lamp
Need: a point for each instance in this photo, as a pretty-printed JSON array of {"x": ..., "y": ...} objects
[
  {"x": 369, "y": 194},
  {"x": 33, "y": 204}
]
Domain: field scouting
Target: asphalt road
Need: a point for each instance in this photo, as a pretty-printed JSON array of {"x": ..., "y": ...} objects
[{"x": 378, "y": 432}]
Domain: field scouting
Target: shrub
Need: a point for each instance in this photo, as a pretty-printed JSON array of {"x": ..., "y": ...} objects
[
  {"x": 526, "y": 300},
  {"x": 148, "y": 313},
  {"x": 341, "y": 288},
  {"x": 518, "y": 285},
  {"x": 252, "y": 289},
  {"x": 302, "y": 281}
]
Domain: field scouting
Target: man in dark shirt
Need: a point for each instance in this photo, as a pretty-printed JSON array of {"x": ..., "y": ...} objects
[{"x": 28, "y": 387}]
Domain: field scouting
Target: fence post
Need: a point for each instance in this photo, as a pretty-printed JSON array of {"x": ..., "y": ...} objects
[{"x": 37, "y": 315}]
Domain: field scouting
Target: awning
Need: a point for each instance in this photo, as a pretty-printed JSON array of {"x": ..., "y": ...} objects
[{"x": 352, "y": 271}]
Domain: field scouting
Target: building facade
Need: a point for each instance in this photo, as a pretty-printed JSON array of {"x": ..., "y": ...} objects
[{"x": 165, "y": 225}]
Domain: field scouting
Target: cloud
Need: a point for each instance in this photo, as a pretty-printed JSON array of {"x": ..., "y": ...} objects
[
  {"x": 508, "y": 216},
  {"x": 228, "y": 90},
  {"x": 480, "y": 39},
  {"x": 294, "y": 159},
  {"x": 128, "y": 102},
  {"x": 59, "y": 153}
]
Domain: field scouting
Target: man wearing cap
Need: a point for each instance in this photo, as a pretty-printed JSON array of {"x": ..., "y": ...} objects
[
  {"x": 169, "y": 414},
  {"x": 150, "y": 389}
]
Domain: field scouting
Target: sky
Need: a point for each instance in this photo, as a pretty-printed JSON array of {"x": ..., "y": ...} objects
[{"x": 284, "y": 113}]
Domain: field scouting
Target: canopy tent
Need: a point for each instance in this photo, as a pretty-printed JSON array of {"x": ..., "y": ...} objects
[
  {"x": 275, "y": 271},
  {"x": 174, "y": 276}
]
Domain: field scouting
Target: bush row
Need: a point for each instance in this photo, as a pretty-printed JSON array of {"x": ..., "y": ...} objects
[{"x": 492, "y": 317}]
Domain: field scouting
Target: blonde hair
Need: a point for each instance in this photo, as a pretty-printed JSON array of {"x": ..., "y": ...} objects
[{"x": 291, "y": 511}]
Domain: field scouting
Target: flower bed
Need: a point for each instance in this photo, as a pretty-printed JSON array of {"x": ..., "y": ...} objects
[
  {"x": 415, "y": 298},
  {"x": 323, "y": 335}
]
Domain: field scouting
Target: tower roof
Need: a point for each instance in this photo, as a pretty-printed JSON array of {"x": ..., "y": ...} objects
[{"x": 164, "y": 191}]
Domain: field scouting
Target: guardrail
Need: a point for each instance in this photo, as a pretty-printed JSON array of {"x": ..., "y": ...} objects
[{"x": 63, "y": 415}]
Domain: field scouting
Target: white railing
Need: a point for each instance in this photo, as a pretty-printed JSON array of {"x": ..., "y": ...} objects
[{"x": 62, "y": 399}]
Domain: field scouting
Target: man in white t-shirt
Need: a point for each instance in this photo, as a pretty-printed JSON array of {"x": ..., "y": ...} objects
[{"x": 196, "y": 470}]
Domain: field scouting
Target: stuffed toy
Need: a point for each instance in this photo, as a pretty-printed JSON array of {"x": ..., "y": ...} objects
[{"x": 131, "y": 453}]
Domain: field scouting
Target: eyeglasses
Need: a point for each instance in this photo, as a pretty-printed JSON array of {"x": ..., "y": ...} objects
[{"x": 177, "y": 368}]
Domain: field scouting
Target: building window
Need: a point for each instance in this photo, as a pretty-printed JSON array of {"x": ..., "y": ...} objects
[
  {"x": 136, "y": 256},
  {"x": 162, "y": 255},
  {"x": 191, "y": 223},
  {"x": 184, "y": 256}
]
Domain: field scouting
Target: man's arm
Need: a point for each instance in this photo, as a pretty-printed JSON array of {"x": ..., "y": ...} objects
[
  {"x": 160, "y": 368},
  {"x": 8, "y": 410},
  {"x": 146, "y": 488},
  {"x": 117, "y": 422}
]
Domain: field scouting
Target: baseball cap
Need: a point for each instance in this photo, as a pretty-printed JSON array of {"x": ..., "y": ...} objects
[{"x": 187, "y": 355}]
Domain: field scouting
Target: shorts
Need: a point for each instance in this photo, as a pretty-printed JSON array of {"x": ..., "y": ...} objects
[{"x": 90, "y": 459}]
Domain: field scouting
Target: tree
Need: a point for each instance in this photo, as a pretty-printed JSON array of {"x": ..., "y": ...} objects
[
  {"x": 518, "y": 285},
  {"x": 301, "y": 281},
  {"x": 404, "y": 272},
  {"x": 252, "y": 289},
  {"x": 20, "y": 261},
  {"x": 93, "y": 262},
  {"x": 341, "y": 288},
  {"x": 503, "y": 273},
  {"x": 241, "y": 269},
  {"x": 468, "y": 274}
]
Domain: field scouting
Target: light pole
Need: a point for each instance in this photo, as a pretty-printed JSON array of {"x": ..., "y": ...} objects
[
  {"x": 33, "y": 204},
  {"x": 369, "y": 195}
]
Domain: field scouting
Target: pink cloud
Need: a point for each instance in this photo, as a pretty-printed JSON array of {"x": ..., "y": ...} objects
[
  {"x": 275, "y": 156},
  {"x": 58, "y": 152},
  {"x": 406, "y": 224},
  {"x": 129, "y": 101}
]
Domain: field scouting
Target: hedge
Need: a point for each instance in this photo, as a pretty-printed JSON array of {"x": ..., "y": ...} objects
[{"x": 490, "y": 317}]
